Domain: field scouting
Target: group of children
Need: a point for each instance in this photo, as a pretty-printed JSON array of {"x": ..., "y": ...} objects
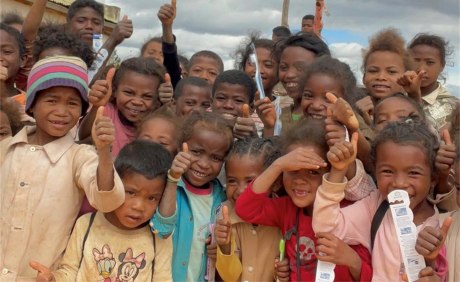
[{"x": 183, "y": 171}]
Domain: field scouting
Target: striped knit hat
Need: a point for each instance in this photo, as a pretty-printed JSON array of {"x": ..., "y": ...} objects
[{"x": 58, "y": 71}]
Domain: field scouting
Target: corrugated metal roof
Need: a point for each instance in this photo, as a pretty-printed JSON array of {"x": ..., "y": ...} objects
[{"x": 111, "y": 13}]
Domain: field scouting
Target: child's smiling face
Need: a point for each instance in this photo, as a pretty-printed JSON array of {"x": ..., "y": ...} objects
[
  {"x": 208, "y": 149},
  {"x": 137, "y": 95},
  {"x": 314, "y": 103},
  {"x": 381, "y": 72},
  {"x": 405, "y": 167},
  {"x": 56, "y": 111},
  {"x": 240, "y": 171}
]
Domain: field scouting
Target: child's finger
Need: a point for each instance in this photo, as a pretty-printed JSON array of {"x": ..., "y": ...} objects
[
  {"x": 331, "y": 97},
  {"x": 185, "y": 147},
  {"x": 257, "y": 96},
  {"x": 39, "y": 267},
  {"x": 354, "y": 141},
  {"x": 109, "y": 78},
  {"x": 125, "y": 18},
  {"x": 100, "y": 112},
  {"x": 173, "y": 3},
  {"x": 225, "y": 214},
  {"x": 446, "y": 137},
  {"x": 445, "y": 227},
  {"x": 167, "y": 78},
  {"x": 245, "y": 110}
]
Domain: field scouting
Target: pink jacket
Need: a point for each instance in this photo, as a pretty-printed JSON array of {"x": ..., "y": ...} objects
[{"x": 353, "y": 224}]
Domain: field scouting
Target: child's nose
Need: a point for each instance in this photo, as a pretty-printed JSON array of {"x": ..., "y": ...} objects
[{"x": 400, "y": 181}]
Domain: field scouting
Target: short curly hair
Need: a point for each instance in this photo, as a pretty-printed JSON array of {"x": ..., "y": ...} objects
[
  {"x": 66, "y": 41},
  {"x": 388, "y": 40}
]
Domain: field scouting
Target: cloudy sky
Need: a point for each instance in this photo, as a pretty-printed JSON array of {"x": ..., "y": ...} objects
[{"x": 220, "y": 25}]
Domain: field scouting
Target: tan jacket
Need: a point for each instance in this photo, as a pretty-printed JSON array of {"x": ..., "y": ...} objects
[{"x": 42, "y": 189}]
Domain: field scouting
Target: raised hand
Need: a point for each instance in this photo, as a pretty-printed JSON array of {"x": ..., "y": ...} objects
[
  {"x": 103, "y": 131},
  {"x": 123, "y": 30},
  {"x": 445, "y": 157},
  {"x": 181, "y": 162},
  {"x": 430, "y": 240},
  {"x": 300, "y": 159},
  {"x": 411, "y": 82},
  {"x": 101, "y": 91},
  {"x": 265, "y": 110},
  {"x": 166, "y": 90},
  {"x": 223, "y": 232},
  {"x": 244, "y": 126},
  {"x": 342, "y": 154},
  {"x": 167, "y": 13},
  {"x": 44, "y": 273},
  {"x": 341, "y": 111},
  {"x": 428, "y": 275},
  {"x": 335, "y": 131},
  {"x": 366, "y": 107}
]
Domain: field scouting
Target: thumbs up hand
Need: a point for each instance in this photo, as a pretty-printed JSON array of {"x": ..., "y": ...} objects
[
  {"x": 223, "y": 232},
  {"x": 166, "y": 90},
  {"x": 446, "y": 155},
  {"x": 430, "y": 240},
  {"x": 245, "y": 125},
  {"x": 103, "y": 131},
  {"x": 342, "y": 154},
  {"x": 411, "y": 82},
  {"x": 123, "y": 30},
  {"x": 341, "y": 111},
  {"x": 101, "y": 91},
  {"x": 181, "y": 162},
  {"x": 44, "y": 273},
  {"x": 167, "y": 13}
]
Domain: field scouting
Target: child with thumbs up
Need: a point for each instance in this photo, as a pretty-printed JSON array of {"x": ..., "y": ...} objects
[
  {"x": 188, "y": 210},
  {"x": 128, "y": 94},
  {"x": 301, "y": 168},
  {"x": 233, "y": 96},
  {"x": 404, "y": 158},
  {"x": 39, "y": 201},
  {"x": 118, "y": 245},
  {"x": 246, "y": 251}
]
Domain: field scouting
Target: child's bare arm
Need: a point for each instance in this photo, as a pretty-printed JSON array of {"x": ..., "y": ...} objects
[
  {"x": 180, "y": 165},
  {"x": 33, "y": 20},
  {"x": 99, "y": 95},
  {"x": 103, "y": 135}
]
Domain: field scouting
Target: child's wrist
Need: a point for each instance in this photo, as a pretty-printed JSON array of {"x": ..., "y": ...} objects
[{"x": 173, "y": 177}]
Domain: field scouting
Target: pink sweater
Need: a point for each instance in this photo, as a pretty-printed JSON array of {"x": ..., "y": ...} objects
[{"x": 353, "y": 224}]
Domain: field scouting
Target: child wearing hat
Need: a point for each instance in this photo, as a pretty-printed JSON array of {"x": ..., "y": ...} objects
[{"x": 45, "y": 174}]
